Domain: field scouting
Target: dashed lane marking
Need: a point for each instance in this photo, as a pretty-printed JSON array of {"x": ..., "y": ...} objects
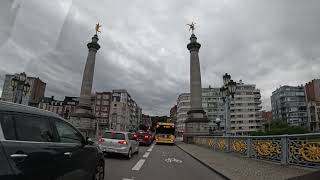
[
  {"x": 138, "y": 165},
  {"x": 146, "y": 155}
]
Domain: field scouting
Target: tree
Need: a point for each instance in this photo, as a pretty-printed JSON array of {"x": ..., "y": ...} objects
[{"x": 279, "y": 127}]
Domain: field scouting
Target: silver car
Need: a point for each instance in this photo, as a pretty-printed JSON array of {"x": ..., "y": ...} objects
[{"x": 119, "y": 142}]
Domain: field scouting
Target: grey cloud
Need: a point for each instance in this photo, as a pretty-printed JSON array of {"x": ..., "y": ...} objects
[{"x": 143, "y": 45}]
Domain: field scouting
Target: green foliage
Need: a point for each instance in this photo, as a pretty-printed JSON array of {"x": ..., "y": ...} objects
[
  {"x": 279, "y": 127},
  {"x": 156, "y": 119}
]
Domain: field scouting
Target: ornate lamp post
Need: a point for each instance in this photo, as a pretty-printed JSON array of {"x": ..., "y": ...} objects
[
  {"x": 20, "y": 87},
  {"x": 227, "y": 92}
]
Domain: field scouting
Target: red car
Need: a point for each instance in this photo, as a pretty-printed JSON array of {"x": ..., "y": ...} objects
[{"x": 144, "y": 138}]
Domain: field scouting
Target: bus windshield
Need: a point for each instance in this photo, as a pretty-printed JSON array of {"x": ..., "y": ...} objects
[{"x": 165, "y": 129}]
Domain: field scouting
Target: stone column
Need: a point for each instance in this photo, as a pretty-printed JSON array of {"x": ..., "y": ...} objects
[
  {"x": 84, "y": 106},
  {"x": 197, "y": 121},
  {"x": 83, "y": 118},
  {"x": 195, "y": 75}
]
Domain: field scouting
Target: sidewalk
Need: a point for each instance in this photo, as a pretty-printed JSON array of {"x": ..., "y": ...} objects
[{"x": 240, "y": 168}]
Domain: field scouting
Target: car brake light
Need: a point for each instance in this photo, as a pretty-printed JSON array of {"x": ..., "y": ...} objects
[
  {"x": 135, "y": 135},
  {"x": 146, "y": 137},
  {"x": 101, "y": 140},
  {"x": 123, "y": 142}
]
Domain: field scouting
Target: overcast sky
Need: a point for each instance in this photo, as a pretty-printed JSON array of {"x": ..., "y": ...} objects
[{"x": 143, "y": 44}]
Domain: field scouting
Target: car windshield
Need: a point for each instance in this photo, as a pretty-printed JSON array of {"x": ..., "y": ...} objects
[{"x": 110, "y": 135}]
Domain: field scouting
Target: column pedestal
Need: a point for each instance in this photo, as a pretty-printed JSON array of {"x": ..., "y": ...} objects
[{"x": 196, "y": 125}]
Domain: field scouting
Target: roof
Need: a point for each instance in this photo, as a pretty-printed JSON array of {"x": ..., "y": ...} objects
[
  {"x": 13, "y": 107},
  {"x": 164, "y": 123},
  {"x": 115, "y": 131}
]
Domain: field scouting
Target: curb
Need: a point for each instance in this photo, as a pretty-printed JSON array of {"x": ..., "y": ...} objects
[{"x": 203, "y": 163}]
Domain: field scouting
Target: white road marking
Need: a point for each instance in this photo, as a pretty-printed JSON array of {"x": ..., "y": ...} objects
[
  {"x": 169, "y": 160},
  {"x": 146, "y": 155},
  {"x": 138, "y": 165},
  {"x": 126, "y": 179},
  {"x": 150, "y": 149}
]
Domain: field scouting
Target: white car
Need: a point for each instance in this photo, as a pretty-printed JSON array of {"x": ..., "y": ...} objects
[{"x": 119, "y": 142}]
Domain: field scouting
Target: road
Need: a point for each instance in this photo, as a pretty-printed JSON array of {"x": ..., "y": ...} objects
[{"x": 157, "y": 162}]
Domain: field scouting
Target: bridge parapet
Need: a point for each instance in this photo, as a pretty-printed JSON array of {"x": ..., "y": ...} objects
[{"x": 298, "y": 149}]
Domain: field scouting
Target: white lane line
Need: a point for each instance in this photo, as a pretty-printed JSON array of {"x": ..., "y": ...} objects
[
  {"x": 126, "y": 179},
  {"x": 146, "y": 155},
  {"x": 138, "y": 165},
  {"x": 149, "y": 150}
]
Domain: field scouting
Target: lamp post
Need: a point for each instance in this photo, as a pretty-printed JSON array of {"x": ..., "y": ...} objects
[
  {"x": 20, "y": 87},
  {"x": 218, "y": 121},
  {"x": 227, "y": 92}
]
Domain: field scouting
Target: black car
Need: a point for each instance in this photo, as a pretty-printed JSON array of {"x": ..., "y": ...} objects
[{"x": 37, "y": 144}]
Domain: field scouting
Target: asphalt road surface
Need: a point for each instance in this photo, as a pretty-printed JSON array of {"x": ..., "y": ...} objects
[{"x": 157, "y": 162}]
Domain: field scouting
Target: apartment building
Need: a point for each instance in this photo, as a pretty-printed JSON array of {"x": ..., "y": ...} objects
[
  {"x": 125, "y": 114},
  {"x": 211, "y": 102},
  {"x": 32, "y": 98},
  {"x": 312, "y": 92},
  {"x": 288, "y": 104},
  {"x": 244, "y": 109},
  {"x": 63, "y": 108},
  {"x": 173, "y": 114}
]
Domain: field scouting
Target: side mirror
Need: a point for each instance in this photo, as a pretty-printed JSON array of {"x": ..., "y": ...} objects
[{"x": 89, "y": 141}]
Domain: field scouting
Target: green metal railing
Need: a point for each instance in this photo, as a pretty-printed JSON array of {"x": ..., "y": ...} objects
[{"x": 298, "y": 149}]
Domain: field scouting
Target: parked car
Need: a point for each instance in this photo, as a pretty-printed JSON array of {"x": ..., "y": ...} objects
[
  {"x": 119, "y": 142},
  {"x": 37, "y": 144},
  {"x": 144, "y": 138}
]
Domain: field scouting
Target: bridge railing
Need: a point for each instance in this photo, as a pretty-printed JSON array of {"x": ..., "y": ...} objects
[{"x": 298, "y": 149}]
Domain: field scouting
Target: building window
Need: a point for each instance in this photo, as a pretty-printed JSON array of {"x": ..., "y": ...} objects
[
  {"x": 105, "y": 96},
  {"x": 98, "y": 96},
  {"x": 105, "y": 102}
]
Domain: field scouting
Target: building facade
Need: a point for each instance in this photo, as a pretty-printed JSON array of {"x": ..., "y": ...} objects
[
  {"x": 32, "y": 98},
  {"x": 173, "y": 114},
  {"x": 211, "y": 102},
  {"x": 245, "y": 109},
  {"x": 63, "y": 108},
  {"x": 288, "y": 104},
  {"x": 125, "y": 114},
  {"x": 102, "y": 108},
  {"x": 267, "y": 118},
  {"x": 145, "y": 122},
  {"x": 312, "y": 91}
]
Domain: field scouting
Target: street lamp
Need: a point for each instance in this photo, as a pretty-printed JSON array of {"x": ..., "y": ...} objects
[
  {"x": 20, "y": 86},
  {"x": 218, "y": 121},
  {"x": 227, "y": 90}
]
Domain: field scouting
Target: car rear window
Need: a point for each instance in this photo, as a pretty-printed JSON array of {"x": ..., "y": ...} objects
[{"x": 111, "y": 135}]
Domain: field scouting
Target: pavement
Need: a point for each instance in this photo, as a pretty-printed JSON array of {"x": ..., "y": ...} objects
[
  {"x": 241, "y": 168},
  {"x": 158, "y": 162}
]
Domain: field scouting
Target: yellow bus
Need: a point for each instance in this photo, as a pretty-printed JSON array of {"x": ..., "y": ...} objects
[{"x": 165, "y": 133}]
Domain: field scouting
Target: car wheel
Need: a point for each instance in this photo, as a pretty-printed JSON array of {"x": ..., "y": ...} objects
[
  {"x": 99, "y": 172},
  {"x": 129, "y": 154}
]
